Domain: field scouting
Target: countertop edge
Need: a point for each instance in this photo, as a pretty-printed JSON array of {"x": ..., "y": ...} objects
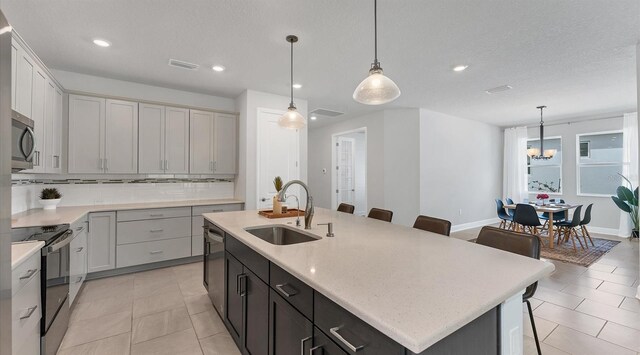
[{"x": 37, "y": 245}]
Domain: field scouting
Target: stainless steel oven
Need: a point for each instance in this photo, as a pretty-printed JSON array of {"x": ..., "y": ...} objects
[
  {"x": 54, "y": 281},
  {"x": 23, "y": 142}
]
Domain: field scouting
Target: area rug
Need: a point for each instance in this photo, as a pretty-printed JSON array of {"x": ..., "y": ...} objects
[{"x": 583, "y": 257}]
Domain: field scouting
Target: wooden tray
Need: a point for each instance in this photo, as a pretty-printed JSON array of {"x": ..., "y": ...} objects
[{"x": 292, "y": 212}]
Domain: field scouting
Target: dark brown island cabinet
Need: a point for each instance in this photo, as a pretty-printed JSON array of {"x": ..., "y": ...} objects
[{"x": 270, "y": 312}]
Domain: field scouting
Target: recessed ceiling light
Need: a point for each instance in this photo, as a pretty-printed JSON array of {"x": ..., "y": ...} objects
[
  {"x": 313, "y": 118},
  {"x": 218, "y": 68},
  {"x": 101, "y": 42},
  {"x": 297, "y": 86},
  {"x": 460, "y": 67}
]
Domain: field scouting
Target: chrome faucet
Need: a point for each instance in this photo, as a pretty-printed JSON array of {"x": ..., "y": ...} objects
[{"x": 308, "y": 211}]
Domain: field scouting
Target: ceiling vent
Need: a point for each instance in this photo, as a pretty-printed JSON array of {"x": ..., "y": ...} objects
[
  {"x": 498, "y": 89},
  {"x": 183, "y": 65},
  {"x": 325, "y": 112}
]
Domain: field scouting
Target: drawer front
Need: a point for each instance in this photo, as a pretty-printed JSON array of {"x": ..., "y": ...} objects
[
  {"x": 250, "y": 258},
  {"x": 293, "y": 290},
  {"x": 25, "y": 313},
  {"x": 199, "y": 210},
  {"x": 197, "y": 245},
  {"x": 78, "y": 226},
  {"x": 151, "y": 230},
  {"x": 197, "y": 225},
  {"x": 24, "y": 273},
  {"x": 151, "y": 252},
  {"x": 153, "y": 213},
  {"x": 349, "y": 331}
]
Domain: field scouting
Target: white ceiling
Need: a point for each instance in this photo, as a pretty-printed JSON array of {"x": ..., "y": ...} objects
[{"x": 575, "y": 56}]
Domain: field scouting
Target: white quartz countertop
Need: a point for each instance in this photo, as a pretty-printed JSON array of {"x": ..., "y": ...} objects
[
  {"x": 414, "y": 286},
  {"x": 68, "y": 215},
  {"x": 21, "y": 251}
]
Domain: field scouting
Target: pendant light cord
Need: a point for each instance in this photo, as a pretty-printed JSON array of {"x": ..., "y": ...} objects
[
  {"x": 291, "y": 83},
  {"x": 541, "y": 132},
  {"x": 375, "y": 34}
]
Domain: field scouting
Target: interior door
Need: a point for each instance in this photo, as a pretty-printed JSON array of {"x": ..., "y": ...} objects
[
  {"x": 121, "y": 137},
  {"x": 176, "y": 147},
  {"x": 278, "y": 155},
  {"x": 345, "y": 170},
  {"x": 151, "y": 139}
]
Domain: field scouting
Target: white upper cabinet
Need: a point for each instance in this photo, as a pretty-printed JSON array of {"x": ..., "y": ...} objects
[
  {"x": 163, "y": 139},
  {"x": 121, "y": 137},
  {"x": 176, "y": 140},
  {"x": 38, "y": 117},
  {"x": 201, "y": 142},
  {"x": 14, "y": 73},
  {"x": 151, "y": 139},
  {"x": 23, "y": 81},
  {"x": 86, "y": 131},
  {"x": 225, "y": 144},
  {"x": 53, "y": 128}
]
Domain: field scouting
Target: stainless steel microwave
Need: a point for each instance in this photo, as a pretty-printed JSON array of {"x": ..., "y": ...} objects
[{"x": 23, "y": 142}]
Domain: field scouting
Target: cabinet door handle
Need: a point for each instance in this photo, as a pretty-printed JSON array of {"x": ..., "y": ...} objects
[
  {"x": 243, "y": 285},
  {"x": 215, "y": 166},
  {"x": 57, "y": 160},
  {"x": 100, "y": 164},
  {"x": 28, "y": 275},
  {"x": 79, "y": 279},
  {"x": 156, "y": 230},
  {"x": 302, "y": 342},
  {"x": 161, "y": 164},
  {"x": 155, "y": 252},
  {"x": 344, "y": 341},
  {"x": 156, "y": 215},
  {"x": 79, "y": 249},
  {"x": 29, "y": 312},
  {"x": 166, "y": 165},
  {"x": 238, "y": 284},
  {"x": 213, "y": 211},
  {"x": 284, "y": 292},
  {"x": 313, "y": 350}
]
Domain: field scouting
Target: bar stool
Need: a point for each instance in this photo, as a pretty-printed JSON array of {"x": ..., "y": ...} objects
[
  {"x": 379, "y": 213},
  {"x": 346, "y": 208},
  {"x": 432, "y": 224}
]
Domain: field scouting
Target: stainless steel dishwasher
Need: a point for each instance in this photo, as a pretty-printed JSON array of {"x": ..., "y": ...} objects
[{"x": 214, "y": 265}]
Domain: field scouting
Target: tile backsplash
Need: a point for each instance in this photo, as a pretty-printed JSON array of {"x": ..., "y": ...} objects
[{"x": 25, "y": 195}]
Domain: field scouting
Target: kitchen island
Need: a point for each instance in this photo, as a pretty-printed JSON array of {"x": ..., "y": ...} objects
[{"x": 414, "y": 287}]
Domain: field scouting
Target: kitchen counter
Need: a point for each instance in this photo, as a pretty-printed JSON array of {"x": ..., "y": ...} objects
[
  {"x": 68, "y": 215},
  {"x": 21, "y": 251},
  {"x": 414, "y": 286}
]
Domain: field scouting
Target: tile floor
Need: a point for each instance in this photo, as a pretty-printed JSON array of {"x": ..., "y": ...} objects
[
  {"x": 577, "y": 310},
  {"x": 585, "y": 311},
  {"x": 163, "y": 311}
]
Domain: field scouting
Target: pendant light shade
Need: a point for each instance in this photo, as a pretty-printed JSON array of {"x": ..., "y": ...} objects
[
  {"x": 292, "y": 119},
  {"x": 376, "y": 89}
]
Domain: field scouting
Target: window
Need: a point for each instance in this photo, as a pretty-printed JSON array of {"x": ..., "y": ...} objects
[
  {"x": 598, "y": 171},
  {"x": 545, "y": 175}
]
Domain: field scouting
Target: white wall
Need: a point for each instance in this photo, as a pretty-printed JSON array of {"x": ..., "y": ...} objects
[
  {"x": 392, "y": 161},
  {"x": 605, "y": 215},
  {"x": 119, "y": 88},
  {"x": 247, "y": 104},
  {"x": 460, "y": 168}
]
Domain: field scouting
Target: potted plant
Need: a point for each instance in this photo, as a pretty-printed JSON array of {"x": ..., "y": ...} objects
[
  {"x": 627, "y": 201},
  {"x": 50, "y": 198},
  {"x": 542, "y": 198},
  {"x": 277, "y": 205}
]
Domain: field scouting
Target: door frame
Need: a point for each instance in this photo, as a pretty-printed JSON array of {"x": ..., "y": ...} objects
[
  {"x": 334, "y": 161},
  {"x": 259, "y": 128}
]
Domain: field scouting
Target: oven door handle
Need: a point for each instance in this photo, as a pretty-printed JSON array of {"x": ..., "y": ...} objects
[
  {"x": 28, "y": 156},
  {"x": 61, "y": 244}
]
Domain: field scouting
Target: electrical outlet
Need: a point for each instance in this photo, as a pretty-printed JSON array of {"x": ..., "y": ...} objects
[{"x": 460, "y": 211}]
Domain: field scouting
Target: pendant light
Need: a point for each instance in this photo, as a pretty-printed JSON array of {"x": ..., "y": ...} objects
[
  {"x": 541, "y": 153},
  {"x": 292, "y": 119},
  {"x": 376, "y": 89}
]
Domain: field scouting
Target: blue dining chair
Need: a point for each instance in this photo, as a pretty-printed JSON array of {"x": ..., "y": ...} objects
[
  {"x": 510, "y": 202},
  {"x": 526, "y": 217},
  {"x": 583, "y": 225},
  {"x": 568, "y": 228},
  {"x": 503, "y": 215},
  {"x": 557, "y": 217}
]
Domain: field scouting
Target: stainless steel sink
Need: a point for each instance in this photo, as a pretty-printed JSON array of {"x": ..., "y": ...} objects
[{"x": 281, "y": 235}]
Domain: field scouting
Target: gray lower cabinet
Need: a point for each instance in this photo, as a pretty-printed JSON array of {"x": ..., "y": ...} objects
[
  {"x": 290, "y": 333},
  {"x": 247, "y": 311},
  {"x": 102, "y": 241}
]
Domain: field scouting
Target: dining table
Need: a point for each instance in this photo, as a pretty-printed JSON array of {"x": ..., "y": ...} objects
[{"x": 549, "y": 208}]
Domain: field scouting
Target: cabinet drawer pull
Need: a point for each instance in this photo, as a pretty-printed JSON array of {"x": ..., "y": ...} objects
[
  {"x": 243, "y": 285},
  {"x": 156, "y": 214},
  {"x": 284, "y": 292},
  {"x": 313, "y": 350},
  {"x": 344, "y": 341},
  {"x": 78, "y": 229},
  {"x": 302, "y": 342},
  {"x": 79, "y": 279},
  {"x": 156, "y": 230},
  {"x": 29, "y": 312},
  {"x": 79, "y": 249},
  {"x": 156, "y": 252},
  {"x": 28, "y": 275}
]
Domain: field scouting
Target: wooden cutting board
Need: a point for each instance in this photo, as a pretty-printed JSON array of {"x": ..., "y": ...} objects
[{"x": 290, "y": 213}]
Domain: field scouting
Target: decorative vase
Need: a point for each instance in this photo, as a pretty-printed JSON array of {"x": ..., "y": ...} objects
[
  {"x": 50, "y": 204},
  {"x": 277, "y": 205}
]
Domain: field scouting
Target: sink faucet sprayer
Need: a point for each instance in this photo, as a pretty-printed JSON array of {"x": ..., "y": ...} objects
[{"x": 308, "y": 211}]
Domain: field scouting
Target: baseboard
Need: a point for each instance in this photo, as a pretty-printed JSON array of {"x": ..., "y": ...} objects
[
  {"x": 607, "y": 231},
  {"x": 476, "y": 224}
]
